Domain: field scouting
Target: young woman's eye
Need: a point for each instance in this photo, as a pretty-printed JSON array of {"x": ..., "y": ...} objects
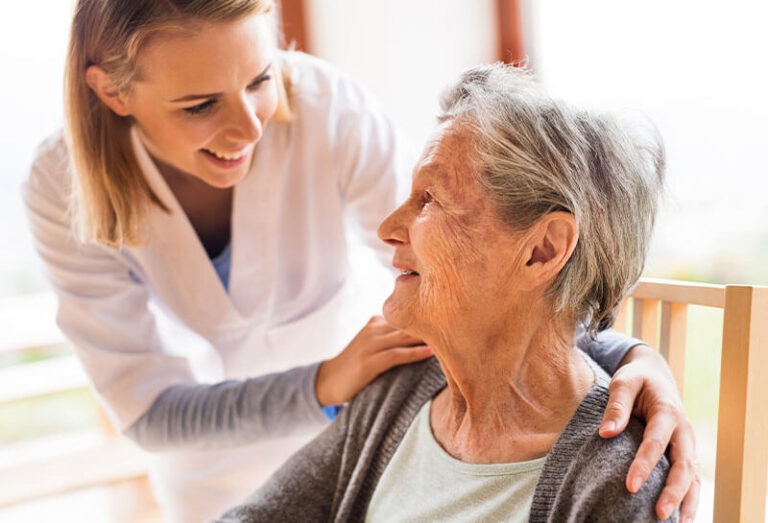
[
  {"x": 260, "y": 81},
  {"x": 200, "y": 108}
]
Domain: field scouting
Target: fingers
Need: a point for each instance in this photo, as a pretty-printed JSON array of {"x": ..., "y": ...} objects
[
  {"x": 375, "y": 349},
  {"x": 691, "y": 501},
  {"x": 389, "y": 358},
  {"x": 622, "y": 394},
  {"x": 679, "y": 481},
  {"x": 682, "y": 481},
  {"x": 655, "y": 439},
  {"x": 380, "y": 335},
  {"x": 399, "y": 338}
]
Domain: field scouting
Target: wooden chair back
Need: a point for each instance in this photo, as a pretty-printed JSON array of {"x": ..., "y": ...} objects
[{"x": 659, "y": 317}]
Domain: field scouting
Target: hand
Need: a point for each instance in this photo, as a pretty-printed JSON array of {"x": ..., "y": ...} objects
[
  {"x": 377, "y": 348},
  {"x": 644, "y": 379}
]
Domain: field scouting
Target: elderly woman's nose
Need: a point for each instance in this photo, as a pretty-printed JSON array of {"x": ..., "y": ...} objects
[
  {"x": 243, "y": 122},
  {"x": 393, "y": 229}
]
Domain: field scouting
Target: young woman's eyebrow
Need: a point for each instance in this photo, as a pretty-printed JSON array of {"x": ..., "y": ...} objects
[{"x": 190, "y": 97}]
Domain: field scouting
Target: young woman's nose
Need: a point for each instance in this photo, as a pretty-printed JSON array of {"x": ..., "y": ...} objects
[
  {"x": 394, "y": 229},
  {"x": 244, "y": 122}
]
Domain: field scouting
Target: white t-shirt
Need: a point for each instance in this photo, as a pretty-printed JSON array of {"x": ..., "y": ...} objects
[{"x": 423, "y": 483}]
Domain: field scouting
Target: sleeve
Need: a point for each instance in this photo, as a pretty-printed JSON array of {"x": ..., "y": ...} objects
[
  {"x": 608, "y": 348},
  {"x": 103, "y": 310},
  {"x": 304, "y": 488},
  {"x": 230, "y": 413},
  {"x": 373, "y": 161}
]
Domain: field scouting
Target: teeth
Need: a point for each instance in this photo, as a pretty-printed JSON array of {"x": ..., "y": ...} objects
[{"x": 227, "y": 156}]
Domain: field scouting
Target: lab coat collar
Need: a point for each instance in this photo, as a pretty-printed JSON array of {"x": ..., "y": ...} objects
[{"x": 177, "y": 264}]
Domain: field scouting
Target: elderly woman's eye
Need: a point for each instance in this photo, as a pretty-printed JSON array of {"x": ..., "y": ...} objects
[{"x": 427, "y": 198}]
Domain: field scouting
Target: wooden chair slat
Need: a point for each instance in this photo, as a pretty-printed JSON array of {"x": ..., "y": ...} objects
[
  {"x": 620, "y": 323},
  {"x": 691, "y": 293},
  {"x": 674, "y": 322},
  {"x": 645, "y": 320},
  {"x": 741, "y": 485},
  {"x": 742, "y": 451}
]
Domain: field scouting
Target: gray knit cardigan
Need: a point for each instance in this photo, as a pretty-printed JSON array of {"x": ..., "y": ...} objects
[{"x": 334, "y": 476}]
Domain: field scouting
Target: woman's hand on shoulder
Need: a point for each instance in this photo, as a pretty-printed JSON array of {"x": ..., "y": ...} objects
[
  {"x": 643, "y": 385},
  {"x": 375, "y": 349}
]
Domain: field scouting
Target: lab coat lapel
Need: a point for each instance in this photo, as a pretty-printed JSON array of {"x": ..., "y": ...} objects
[
  {"x": 177, "y": 265},
  {"x": 254, "y": 234}
]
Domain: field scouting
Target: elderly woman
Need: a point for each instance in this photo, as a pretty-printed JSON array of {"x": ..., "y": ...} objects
[{"x": 527, "y": 219}]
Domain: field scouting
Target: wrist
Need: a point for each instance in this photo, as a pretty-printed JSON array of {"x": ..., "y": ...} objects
[
  {"x": 636, "y": 352},
  {"x": 655, "y": 364},
  {"x": 324, "y": 383}
]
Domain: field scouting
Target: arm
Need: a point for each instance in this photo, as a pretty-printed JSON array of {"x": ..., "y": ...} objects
[
  {"x": 608, "y": 349},
  {"x": 230, "y": 413},
  {"x": 104, "y": 311},
  {"x": 643, "y": 385},
  {"x": 237, "y": 412}
]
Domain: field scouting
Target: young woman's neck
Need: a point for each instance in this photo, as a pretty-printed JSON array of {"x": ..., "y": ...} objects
[{"x": 209, "y": 209}]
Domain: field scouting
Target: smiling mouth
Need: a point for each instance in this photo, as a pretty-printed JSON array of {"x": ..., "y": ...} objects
[
  {"x": 230, "y": 157},
  {"x": 408, "y": 273}
]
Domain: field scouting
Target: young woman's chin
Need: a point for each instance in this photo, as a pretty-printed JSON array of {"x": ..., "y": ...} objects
[{"x": 221, "y": 176}]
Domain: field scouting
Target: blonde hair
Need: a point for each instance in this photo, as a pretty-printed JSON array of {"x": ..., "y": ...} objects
[{"x": 110, "y": 192}]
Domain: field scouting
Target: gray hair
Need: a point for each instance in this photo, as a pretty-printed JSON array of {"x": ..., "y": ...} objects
[{"x": 537, "y": 155}]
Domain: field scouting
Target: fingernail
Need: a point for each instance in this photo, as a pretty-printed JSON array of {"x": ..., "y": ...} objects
[
  {"x": 635, "y": 484},
  {"x": 667, "y": 509},
  {"x": 607, "y": 426}
]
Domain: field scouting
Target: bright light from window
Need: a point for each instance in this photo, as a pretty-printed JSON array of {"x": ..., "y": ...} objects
[
  {"x": 33, "y": 40},
  {"x": 697, "y": 69}
]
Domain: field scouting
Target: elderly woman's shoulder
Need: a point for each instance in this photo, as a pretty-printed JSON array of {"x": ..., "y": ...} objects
[
  {"x": 585, "y": 474},
  {"x": 595, "y": 483}
]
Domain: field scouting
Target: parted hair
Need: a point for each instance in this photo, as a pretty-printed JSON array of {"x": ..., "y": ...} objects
[
  {"x": 537, "y": 155},
  {"x": 110, "y": 192}
]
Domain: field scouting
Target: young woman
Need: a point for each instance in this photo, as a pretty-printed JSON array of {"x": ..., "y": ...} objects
[{"x": 201, "y": 187}]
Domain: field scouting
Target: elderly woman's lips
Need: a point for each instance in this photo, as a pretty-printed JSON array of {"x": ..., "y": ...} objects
[
  {"x": 407, "y": 275},
  {"x": 404, "y": 268}
]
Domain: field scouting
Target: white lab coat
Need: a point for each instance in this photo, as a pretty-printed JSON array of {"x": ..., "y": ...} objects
[{"x": 289, "y": 299}]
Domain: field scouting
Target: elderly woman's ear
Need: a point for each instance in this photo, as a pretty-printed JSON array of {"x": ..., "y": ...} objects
[{"x": 548, "y": 248}]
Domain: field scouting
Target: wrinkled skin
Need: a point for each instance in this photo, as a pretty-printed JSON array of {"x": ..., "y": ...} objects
[{"x": 457, "y": 245}]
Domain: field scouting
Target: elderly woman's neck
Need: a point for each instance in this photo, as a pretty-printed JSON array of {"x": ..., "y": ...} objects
[{"x": 509, "y": 393}]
